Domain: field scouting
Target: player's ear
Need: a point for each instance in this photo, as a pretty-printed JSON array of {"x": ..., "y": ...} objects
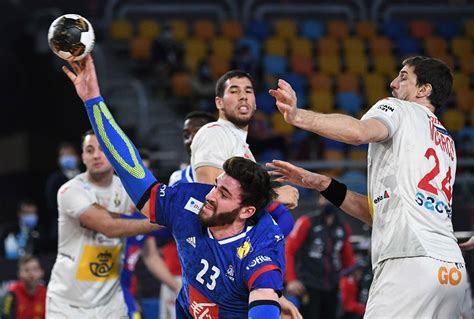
[
  {"x": 247, "y": 212},
  {"x": 219, "y": 102}
]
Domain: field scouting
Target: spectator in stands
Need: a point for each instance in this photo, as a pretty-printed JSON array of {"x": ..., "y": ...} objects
[
  {"x": 24, "y": 233},
  {"x": 316, "y": 251},
  {"x": 68, "y": 161},
  {"x": 26, "y": 297},
  {"x": 350, "y": 287}
]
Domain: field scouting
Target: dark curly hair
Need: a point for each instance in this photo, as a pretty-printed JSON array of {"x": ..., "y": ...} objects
[{"x": 257, "y": 187}]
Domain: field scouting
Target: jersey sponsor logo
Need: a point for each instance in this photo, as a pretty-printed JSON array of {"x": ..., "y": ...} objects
[
  {"x": 191, "y": 241},
  {"x": 440, "y": 136},
  {"x": 451, "y": 276},
  {"x": 117, "y": 201},
  {"x": 381, "y": 197},
  {"x": 244, "y": 249},
  {"x": 163, "y": 190},
  {"x": 193, "y": 205},
  {"x": 386, "y": 108},
  {"x": 99, "y": 263},
  {"x": 258, "y": 260},
  {"x": 279, "y": 237},
  {"x": 200, "y": 306},
  {"x": 433, "y": 204}
]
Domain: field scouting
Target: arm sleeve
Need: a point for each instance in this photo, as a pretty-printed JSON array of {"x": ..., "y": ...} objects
[
  {"x": 74, "y": 201},
  {"x": 120, "y": 151},
  {"x": 389, "y": 112},
  {"x": 272, "y": 279},
  {"x": 294, "y": 243},
  {"x": 282, "y": 216},
  {"x": 8, "y": 306}
]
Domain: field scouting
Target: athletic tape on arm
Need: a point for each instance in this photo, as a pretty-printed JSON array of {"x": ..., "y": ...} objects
[{"x": 120, "y": 151}]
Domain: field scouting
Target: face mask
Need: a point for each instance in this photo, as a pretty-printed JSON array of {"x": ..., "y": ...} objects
[
  {"x": 29, "y": 220},
  {"x": 68, "y": 162}
]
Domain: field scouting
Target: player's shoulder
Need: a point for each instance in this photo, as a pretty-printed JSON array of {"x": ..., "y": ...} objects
[
  {"x": 78, "y": 182},
  {"x": 389, "y": 104},
  {"x": 266, "y": 231}
]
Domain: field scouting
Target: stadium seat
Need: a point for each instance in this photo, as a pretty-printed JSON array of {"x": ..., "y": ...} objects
[
  {"x": 385, "y": 65},
  {"x": 448, "y": 29},
  {"x": 193, "y": 63},
  {"x": 218, "y": 66},
  {"x": 259, "y": 30},
  {"x": 298, "y": 82},
  {"x": 408, "y": 46},
  {"x": 461, "y": 46},
  {"x": 286, "y": 29},
  {"x": 329, "y": 64},
  {"x": 420, "y": 29},
  {"x": 121, "y": 30},
  {"x": 232, "y": 29},
  {"x": 465, "y": 100},
  {"x": 320, "y": 82},
  {"x": 380, "y": 46},
  {"x": 275, "y": 65},
  {"x": 302, "y": 65},
  {"x": 395, "y": 30},
  {"x": 338, "y": 29},
  {"x": 312, "y": 29},
  {"x": 347, "y": 82},
  {"x": 252, "y": 43},
  {"x": 374, "y": 96},
  {"x": 435, "y": 46},
  {"x": 446, "y": 58},
  {"x": 275, "y": 46},
  {"x": 140, "y": 49},
  {"x": 179, "y": 30},
  {"x": 358, "y": 152},
  {"x": 301, "y": 47},
  {"x": 461, "y": 82},
  {"x": 469, "y": 28},
  {"x": 195, "y": 48},
  {"x": 204, "y": 29},
  {"x": 465, "y": 141},
  {"x": 349, "y": 102},
  {"x": 453, "y": 120},
  {"x": 265, "y": 102},
  {"x": 353, "y": 45},
  {"x": 223, "y": 47},
  {"x": 321, "y": 101},
  {"x": 148, "y": 29},
  {"x": 466, "y": 64},
  {"x": 366, "y": 29},
  {"x": 328, "y": 46},
  {"x": 374, "y": 82},
  {"x": 181, "y": 84},
  {"x": 356, "y": 64},
  {"x": 279, "y": 125},
  {"x": 331, "y": 155}
]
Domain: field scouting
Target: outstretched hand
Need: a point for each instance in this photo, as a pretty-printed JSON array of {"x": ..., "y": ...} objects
[
  {"x": 468, "y": 245},
  {"x": 285, "y": 100},
  {"x": 84, "y": 78},
  {"x": 284, "y": 171}
]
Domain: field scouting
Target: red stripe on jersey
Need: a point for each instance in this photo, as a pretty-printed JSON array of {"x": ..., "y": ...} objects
[
  {"x": 213, "y": 125},
  {"x": 153, "y": 202},
  {"x": 272, "y": 207},
  {"x": 259, "y": 272}
]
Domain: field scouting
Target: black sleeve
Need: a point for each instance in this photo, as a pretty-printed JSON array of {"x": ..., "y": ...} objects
[{"x": 8, "y": 306}]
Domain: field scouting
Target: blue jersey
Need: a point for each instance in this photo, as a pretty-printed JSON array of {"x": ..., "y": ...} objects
[{"x": 218, "y": 275}]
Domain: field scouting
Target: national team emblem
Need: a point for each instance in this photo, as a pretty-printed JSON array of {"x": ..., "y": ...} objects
[
  {"x": 117, "y": 200},
  {"x": 193, "y": 205},
  {"x": 244, "y": 249}
]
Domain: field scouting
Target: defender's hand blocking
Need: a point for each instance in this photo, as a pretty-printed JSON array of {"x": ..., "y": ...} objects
[
  {"x": 285, "y": 171},
  {"x": 285, "y": 100},
  {"x": 84, "y": 78}
]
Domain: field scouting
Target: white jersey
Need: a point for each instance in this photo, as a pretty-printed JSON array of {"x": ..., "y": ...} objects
[
  {"x": 410, "y": 180},
  {"x": 88, "y": 264},
  {"x": 215, "y": 142}
]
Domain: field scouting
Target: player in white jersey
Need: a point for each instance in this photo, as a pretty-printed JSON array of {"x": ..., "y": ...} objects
[
  {"x": 419, "y": 271},
  {"x": 85, "y": 277}
]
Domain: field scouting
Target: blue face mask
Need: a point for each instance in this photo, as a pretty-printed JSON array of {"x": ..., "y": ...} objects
[
  {"x": 68, "y": 162},
  {"x": 29, "y": 220}
]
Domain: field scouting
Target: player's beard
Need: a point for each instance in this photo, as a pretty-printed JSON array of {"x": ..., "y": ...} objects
[
  {"x": 221, "y": 219},
  {"x": 241, "y": 121}
]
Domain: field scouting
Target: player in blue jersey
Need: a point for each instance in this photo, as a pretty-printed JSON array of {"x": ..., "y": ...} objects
[{"x": 232, "y": 253}]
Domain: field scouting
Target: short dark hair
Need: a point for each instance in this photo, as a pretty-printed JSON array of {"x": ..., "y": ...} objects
[
  {"x": 26, "y": 259},
  {"x": 257, "y": 187},
  {"x": 200, "y": 114},
  {"x": 87, "y": 133},
  {"x": 435, "y": 72},
  {"x": 220, "y": 84},
  {"x": 64, "y": 145}
]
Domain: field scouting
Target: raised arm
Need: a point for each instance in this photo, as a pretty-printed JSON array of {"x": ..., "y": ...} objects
[
  {"x": 338, "y": 127},
  {"x": 350, "y": 202},
  {"x": 121, "y": 153}
]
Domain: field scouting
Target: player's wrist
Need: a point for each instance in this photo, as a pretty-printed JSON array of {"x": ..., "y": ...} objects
[
  {"x": 335, "y": 192},
  {"x": 95, "y": 100}
]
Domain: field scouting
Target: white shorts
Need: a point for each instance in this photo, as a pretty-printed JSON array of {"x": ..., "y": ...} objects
[
  {"x": 417, "y": 287},
  {"x": 116, "y": 308},
  {"x": 168, "y": 301}
]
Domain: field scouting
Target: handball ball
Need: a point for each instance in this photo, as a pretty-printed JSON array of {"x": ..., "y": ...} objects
[{"x": 71, "y": 37}]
